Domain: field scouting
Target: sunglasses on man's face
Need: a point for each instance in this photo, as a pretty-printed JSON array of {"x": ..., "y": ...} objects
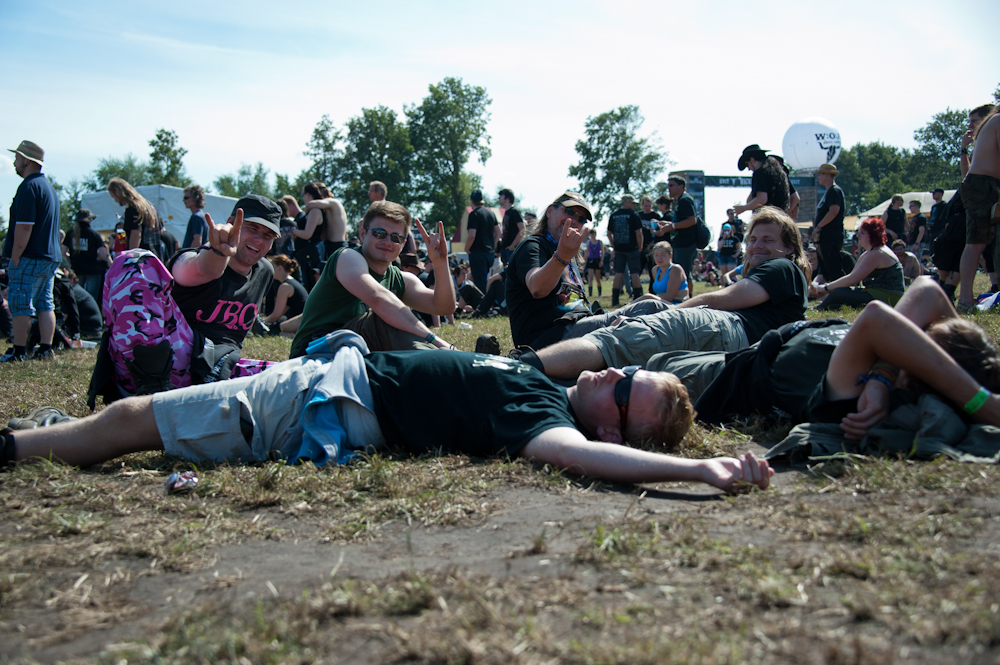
[
  {"x": 382, "y": 234},
  {"x": 623, "y": 390},
  {"x": 577, "y": 214}
]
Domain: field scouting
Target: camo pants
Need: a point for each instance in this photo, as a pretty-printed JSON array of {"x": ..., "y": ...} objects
[{"x": 139, "y": 311}]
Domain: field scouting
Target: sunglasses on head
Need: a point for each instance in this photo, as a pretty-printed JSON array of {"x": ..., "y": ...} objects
[
  {"x": 623, "y": 390},
  {"x": 382, "y": 234}
]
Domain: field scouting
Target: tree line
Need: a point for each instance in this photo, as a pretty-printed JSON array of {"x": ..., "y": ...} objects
[{"x": 421, "y": 157}]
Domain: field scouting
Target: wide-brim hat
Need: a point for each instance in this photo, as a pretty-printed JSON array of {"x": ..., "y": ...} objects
[
  {"x": 84, "y": 215},
  {"x": 570, "y": 199},
  {"x": 31, "y": 151},
  {"x": 754, "y": 151},
  {"x": 410, "y": 260},
  {"x": 260, "y": 210},
  {"x": 827, "y": 168}
]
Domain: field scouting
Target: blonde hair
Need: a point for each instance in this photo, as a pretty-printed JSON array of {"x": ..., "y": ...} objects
[
  {"x": 789, "y": 237},
  {"x": 676, "y": 414},
  {"x": 121, "y": 190},
  {"x": 663, "y": 244}
]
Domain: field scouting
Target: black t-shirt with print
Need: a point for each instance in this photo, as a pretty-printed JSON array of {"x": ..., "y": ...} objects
[
  {"x": 530, "y": 317},
  {"x": 787, "y": 288},
  {"x": 149, "y": 238},
  {"x": 684, "y": 237},
  {"x": 484, "y": 406},
  {"x": 623, "y": 224},
  {"x": 833, "y": 196},
  {"x": 83, "y": 252},
  {"x": 224, "y": 309}
]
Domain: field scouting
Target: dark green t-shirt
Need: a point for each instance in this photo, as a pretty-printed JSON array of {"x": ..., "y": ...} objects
[
  {"x": 787, "y": 288},
  {"x": 685, "y": 237},
  {"x": 479, "y": 405},
  {"x": 330, "y": 305}
]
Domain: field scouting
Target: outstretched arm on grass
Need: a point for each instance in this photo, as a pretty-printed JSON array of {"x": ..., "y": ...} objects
[{"x": 566, "y": 448}]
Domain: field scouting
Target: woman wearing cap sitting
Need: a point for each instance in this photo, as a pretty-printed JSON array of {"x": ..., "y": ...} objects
[
  {"x": 286, "y": 297},
  {"x": 878, "y": 270}
]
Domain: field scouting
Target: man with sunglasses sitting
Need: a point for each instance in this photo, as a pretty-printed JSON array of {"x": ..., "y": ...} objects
[
  {"x": 361, "y": 290},
  {"x": 341, "y": 400}
]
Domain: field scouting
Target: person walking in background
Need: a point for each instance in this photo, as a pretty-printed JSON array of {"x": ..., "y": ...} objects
[
  {"x": 88, "y": 254},
  {"x": 481, "y": 244},
  {"x": 196, "y": 233},
  {"x": 141, "y": 229},
  {"x": 828, "y": 234},
  {"x": 513, "y": 226},
  {"x": 625, "y": 234}
]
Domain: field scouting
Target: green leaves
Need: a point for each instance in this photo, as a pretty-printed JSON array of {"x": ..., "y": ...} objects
[{"x": 614, "y": 159}]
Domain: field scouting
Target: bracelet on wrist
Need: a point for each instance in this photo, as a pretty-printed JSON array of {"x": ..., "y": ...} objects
[
  {"x": 977, "y": 401},
  {"x": 431, "y": 338},
  {"x": 875, "y": 377},
  {"x": 560, "y": 259},
  {"x": 887, "y": 370},
  {"x": 964, "y": 151}
]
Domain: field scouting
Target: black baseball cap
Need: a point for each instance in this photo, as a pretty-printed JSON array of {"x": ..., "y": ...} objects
[{"x": 260, "y": 210}]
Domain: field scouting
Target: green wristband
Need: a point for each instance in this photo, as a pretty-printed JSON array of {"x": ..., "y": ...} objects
[
  {"x": 977, "y": 401},
  {"x": 431, "y": 338}
]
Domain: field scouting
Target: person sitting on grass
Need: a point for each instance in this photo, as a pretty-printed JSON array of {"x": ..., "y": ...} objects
[
  {"x": 341, "y": 400},
  {"x": 814, "y": 369},
  {"x": 670, "y": 284},
  {"x": 878, "y": 270},
  {"x": 912, "y": 267},
  {"x": 286, "y": 297}
]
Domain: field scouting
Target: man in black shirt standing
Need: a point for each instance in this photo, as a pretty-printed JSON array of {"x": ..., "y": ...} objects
[
  {"x": 513, "y": 226},
  {"x": 484, "y": 233},
  {"x": 625, "y": 234},
  {"x": 829, "y": 231},
  {"x": 683, "y": 234},
  {"x": 936, "y": 222}
]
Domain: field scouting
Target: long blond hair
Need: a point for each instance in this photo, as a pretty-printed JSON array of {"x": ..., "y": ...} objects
[{"x": 121, "y": 190}]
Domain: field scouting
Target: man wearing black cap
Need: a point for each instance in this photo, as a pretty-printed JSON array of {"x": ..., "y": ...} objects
[
  {"x": 484, "y": 234},
  {"x": 32, "y": 245},
  {"x": 184, "y": 323}
]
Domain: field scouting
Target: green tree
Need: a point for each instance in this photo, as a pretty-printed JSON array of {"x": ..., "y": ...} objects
[
  {"x": 614, "y": 159},
  {"x": 377, "y": 148},
  {"x": 69, "y": 201},
  {"x": 129, "y": 168},
  {"x": 247, "y": 180},
  {"x": 283, "y": 185},
  {"x": 166, "y": 160},
  {"x": 935, "y": 161},
  {"x": 446, "y": 128},
  {"x": 868, "y": 171},
  {"x": 324, "y": 150}
]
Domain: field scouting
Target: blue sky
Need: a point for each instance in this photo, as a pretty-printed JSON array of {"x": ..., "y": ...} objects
[{"x": 247, "y": 82}]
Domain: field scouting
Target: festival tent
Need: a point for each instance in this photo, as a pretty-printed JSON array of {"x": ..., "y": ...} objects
[{"x": 168, "y": 201}]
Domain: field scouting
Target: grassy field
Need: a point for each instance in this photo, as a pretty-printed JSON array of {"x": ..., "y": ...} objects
[{"x": 451, "y": 560}]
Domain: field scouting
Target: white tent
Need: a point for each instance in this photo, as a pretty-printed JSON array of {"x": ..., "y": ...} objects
[
  {"x": 925, "y": 198},
  {"x": 168, "y": 201}
]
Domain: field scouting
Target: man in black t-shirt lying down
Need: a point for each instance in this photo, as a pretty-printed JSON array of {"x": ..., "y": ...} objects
[
  {"x": 340, "y": 401},
  {"x": 772, "y": 293}
]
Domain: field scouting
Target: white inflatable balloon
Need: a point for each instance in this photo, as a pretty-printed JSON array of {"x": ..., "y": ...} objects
[{"x": 811, "y": 142}]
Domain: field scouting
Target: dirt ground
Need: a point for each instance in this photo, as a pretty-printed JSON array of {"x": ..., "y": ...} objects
[{"x": 892, "y": 562}]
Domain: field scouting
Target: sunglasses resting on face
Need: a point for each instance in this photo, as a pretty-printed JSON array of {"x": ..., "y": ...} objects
[
  {"x": 623, "y": 389},
  {"x": 382, "y": 234}
]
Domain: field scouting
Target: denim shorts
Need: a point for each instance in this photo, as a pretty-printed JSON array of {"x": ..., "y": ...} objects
[{"x": 30, "y": 288}]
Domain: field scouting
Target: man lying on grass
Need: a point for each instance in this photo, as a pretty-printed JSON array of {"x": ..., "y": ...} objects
[{"x": 341, "y": 400}]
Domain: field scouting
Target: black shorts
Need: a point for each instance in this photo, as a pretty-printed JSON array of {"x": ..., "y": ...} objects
[
  {"x": 979, "y": 194},
  {"x": 593, "y": 264}
]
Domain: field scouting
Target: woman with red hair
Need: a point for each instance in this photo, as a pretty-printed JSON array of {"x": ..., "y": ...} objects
[{"x": 877, "y": 270}]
